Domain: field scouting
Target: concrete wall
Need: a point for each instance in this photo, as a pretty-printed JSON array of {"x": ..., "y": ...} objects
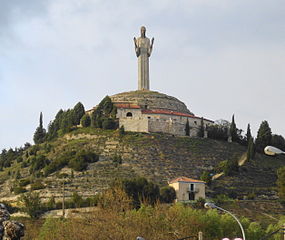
[{"x": 183, "y": 188}]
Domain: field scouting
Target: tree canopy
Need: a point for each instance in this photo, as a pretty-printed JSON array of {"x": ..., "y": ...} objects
[{"x": 264, "y": 137}]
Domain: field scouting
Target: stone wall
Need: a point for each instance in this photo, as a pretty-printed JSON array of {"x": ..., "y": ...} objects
[{"x": 134, "y": 121}]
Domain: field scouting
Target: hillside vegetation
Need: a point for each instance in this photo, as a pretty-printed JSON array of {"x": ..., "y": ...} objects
[{"x": 89, "y": 159}]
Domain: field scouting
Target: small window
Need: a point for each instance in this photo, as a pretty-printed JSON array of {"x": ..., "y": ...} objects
[
  {"x": 148, "y": 117},
  {"x": 129, "y": 114},
  {"x": 195, "y": 122}
]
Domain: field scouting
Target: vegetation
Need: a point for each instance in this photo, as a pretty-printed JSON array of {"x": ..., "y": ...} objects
[
  {"x": 281, "y": 183},
  {"x": 141, "y": 190},
  {"x": 250, "y": 149},
  {"x": 218, "y": 132},
  {"x": 264, "y": 137},
  {"x": 86, "y": 120},
  {"x": 32, "y": 204},
  {"x": 201, "y": 128},
  {"x": 104, "y": 115},
  {"x": 187, "y": 128},
  {"x": 206, "y": 177},
  {"x": 167, "y": 194},
  {"x": 40, "y": 133},
  {"x": 278, "y": 141},
  {"x": 156, "y": 223},
  {"x": 233, "y": 130}
]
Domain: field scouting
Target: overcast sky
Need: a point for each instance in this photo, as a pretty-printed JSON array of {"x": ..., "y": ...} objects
[{"x": 218, "y": 56}]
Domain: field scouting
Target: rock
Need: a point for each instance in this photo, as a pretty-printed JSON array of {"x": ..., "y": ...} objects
[
  {"x": 13, "y": 230},
  {"x": 4, "y": 214}
]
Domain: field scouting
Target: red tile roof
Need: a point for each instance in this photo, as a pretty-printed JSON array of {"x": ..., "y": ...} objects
[
  {"x": 185, "y": 179},
  {"x": 169, "y": 112}
]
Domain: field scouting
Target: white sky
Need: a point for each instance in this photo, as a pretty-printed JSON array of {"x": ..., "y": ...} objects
[{"x": 218, "y": 56}]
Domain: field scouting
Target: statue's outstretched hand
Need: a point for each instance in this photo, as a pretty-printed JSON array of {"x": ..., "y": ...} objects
[{"x": 152, "y": 41}]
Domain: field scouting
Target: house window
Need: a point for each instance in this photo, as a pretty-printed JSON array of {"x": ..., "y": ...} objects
[
  {"x": 195, "y": 122},
  {"x": 129, "y": 114},
  {"x": 191, "y": 187},
  {"x": 148, "y": 117}
]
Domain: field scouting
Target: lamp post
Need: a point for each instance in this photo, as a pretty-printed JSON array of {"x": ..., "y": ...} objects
[
  {"x": 272, "y": 151},
  {"x": 213, "y": 206}
]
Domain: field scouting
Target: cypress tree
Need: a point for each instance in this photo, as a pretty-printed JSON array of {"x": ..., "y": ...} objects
[
  {"x": 248, "y": 134},
  {"x": 264, "y": 136},
  {"x": 233, "y": 130},
  {"x": 187, "y": 128},
  {"x": 250, "y": 149},
  {"x": 40, "y": 133},
  {"x": 201, "y": 129}
]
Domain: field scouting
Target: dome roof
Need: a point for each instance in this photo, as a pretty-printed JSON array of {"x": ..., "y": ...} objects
[{"x": 150, "y": 100}]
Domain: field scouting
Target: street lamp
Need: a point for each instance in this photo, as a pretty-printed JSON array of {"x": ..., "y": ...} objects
[
  {"x": 213, "y": 206},
  {"x": 272, "y": 151}
]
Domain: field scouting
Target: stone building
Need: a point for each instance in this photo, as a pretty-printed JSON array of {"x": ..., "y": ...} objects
[
  {"x": 149, "y": 111},
  {"x": 188, "y": 189}
]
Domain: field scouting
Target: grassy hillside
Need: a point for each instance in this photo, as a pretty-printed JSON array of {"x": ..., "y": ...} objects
[{"x": 158, "y": 157}]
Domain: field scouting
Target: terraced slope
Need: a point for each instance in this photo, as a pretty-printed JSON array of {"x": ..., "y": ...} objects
[{"x": 158, "y": 157}]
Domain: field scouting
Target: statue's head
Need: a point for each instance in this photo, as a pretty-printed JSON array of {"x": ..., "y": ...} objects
[{"x": 143, "y": 30}]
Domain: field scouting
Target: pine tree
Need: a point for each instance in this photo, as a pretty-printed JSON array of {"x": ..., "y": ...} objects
[
  {"x": 233, "y": 130},
  {"x": 40, "y": 133},
  {"x": 187, "y": 128},
  {"x": 264, "y": 136}
]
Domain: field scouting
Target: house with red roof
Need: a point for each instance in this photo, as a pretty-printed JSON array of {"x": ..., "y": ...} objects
[{"x": 188, "y": 189}]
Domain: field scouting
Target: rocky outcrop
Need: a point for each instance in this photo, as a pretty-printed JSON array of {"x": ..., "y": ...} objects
[{"x": 9, "y": 230}]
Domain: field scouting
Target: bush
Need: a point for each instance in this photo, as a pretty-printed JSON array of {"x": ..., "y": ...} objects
[
  {"x": 37, "y": 185},
  {"x": 206, "y": 177},
  {"x": 38, "y": 163},
  {"x": 32, "y": 204},
  {"x": 18, "y": 190},
  {"x": 81, "y": 159},
  {"x": 108, "y": 124},
  {"x": 167, "y": 194},
  {"x": 86, "y": 120},
  {"x": 24, "y": 182},
  {"x": 141, "y": 190},
  {"x": 117, "y": 159}
]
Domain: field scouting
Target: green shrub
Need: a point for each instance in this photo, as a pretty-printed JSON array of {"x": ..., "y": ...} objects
[
  {"x": 24, "y": 182},
  {"x": 86, "y": 120},
  {"x": 18, "y": 190},
  {"x": 167, "y": 194},
  {"x": 206, "y": 177},
  {"x": 32, "y": 204},
  {"x": 108, "y": 123},
  {"x": 37, "y": 185}
]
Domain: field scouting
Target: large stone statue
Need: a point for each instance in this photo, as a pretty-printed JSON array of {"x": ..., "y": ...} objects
[{"x": 143, "y": 48}]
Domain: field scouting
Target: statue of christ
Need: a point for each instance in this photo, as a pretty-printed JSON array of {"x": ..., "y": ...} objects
[{"x": 143, "y": 48}]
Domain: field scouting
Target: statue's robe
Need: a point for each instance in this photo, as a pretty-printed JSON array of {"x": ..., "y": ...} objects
[{"x": 143, "y": 52}]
